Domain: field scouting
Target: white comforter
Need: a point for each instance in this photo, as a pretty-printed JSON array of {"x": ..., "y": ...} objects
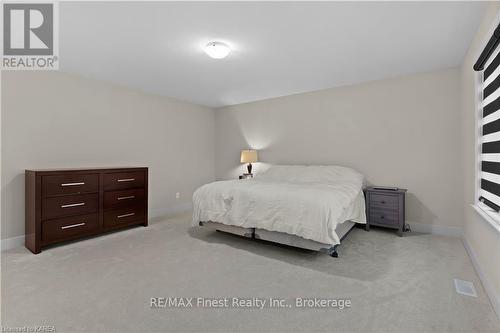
[{"x": 299, "y": 202}]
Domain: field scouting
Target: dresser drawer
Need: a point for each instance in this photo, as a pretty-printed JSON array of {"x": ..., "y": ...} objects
[
  {"x": 70, "y": 184},
  {"x": 124, "y": 215},
  {"x": 384, "y": 201},
  {"x": 69, "y": 205},
  {"x": 69, "y": 227},
  {"x": 124, "y": 180},
  {"x": 115, "y": 199},
  {"x": 381, "y": 217}
]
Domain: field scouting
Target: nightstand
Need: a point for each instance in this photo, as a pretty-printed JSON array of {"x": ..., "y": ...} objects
[{"x": 385, "y": 208}]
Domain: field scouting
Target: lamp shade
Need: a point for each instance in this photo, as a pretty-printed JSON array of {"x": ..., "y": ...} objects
[{"x": 249, "y": 156}]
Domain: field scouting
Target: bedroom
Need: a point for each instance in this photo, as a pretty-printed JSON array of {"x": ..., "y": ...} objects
[{"x": 360, "y": 211}]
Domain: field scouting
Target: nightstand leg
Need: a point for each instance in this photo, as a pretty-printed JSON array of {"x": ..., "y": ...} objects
[
  {"x": 400, "y": 232},
  {"x": 367, "y": 227}
]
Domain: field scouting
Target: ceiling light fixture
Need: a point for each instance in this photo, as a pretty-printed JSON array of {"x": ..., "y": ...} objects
[{"x": 217, "y": 50}]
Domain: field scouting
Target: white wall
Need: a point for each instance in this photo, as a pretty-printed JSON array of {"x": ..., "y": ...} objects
[
  {"x": 403, "y": 132},
  {"x": 478, "y": 233},
  {"x": 51, "y": 119}
]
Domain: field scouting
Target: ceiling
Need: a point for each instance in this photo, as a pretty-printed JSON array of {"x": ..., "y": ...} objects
[{"x": 279, "y": 48}]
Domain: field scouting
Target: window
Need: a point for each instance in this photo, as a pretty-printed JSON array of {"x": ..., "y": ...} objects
[
  {"x": 488, "y": 68},
  {"x": 490, "y": 134}
]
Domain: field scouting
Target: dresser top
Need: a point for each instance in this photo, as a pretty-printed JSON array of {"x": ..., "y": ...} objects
[{"x": 87, "y": 169}]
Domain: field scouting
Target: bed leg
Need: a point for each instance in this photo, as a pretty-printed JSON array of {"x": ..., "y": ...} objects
[{"x": 333, "y": 252}]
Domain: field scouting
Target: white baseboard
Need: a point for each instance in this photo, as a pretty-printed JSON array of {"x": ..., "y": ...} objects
[
  {"x": 488, "y": 287},
  {"x": 10, "y": 243},
  {"x": 441, "y": 230}
]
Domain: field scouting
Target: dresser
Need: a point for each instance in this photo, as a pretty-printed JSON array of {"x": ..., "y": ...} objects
[
  {"x": 385, "y": 208},
  {"x": 68, "y": 204}
]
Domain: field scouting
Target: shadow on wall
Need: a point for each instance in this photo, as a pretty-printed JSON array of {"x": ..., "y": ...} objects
[
  {"x": 417, "y": 212},
  {"x": 13, "y": 206}
]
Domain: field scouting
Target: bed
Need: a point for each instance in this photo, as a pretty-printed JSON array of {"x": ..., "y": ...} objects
[{"x": 311, "y": 207}]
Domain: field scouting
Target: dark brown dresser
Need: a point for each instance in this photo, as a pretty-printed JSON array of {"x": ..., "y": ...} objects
[
  {"x": 385, "y": 208},
  {"x": 67, "y": 204}
]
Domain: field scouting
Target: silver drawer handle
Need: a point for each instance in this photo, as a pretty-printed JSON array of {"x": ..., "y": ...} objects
[
  {"x": 126, "y": 180},
  {"x": 73, "y": 205},
  {"x": 125, "y": 215},
  {"x": 73, "y": 225},
  {"x": 125, "y": 198},
  {"x": 73, "y": 184}
]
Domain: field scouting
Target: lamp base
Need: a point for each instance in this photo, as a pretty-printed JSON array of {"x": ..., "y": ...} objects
[{"x": 249, "y": 168}]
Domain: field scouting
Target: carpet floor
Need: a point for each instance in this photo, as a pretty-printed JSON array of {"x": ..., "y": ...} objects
[{"x": 105, "y": 284}]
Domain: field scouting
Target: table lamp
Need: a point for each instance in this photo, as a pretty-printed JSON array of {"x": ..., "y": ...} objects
[{"x": 249, "y": 156}]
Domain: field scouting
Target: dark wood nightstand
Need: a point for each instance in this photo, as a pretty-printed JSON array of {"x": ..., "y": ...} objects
[{"x": 385, "y": 208}]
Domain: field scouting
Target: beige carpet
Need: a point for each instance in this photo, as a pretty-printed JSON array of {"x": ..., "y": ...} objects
[{"x": 105, "y": 284}]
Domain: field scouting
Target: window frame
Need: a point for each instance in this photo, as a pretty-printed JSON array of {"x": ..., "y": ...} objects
[{"x": 486, "y": 212}]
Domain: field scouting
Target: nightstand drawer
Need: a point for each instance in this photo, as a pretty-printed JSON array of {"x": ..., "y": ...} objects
[
  {"x": 388, "y": 218},
  {"x": 384, "y": 201}
]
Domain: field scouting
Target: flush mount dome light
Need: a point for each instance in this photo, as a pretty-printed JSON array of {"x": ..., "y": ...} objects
[{"x": 217, "y": 50}]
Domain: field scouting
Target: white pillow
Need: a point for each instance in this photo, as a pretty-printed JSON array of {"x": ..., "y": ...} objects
[{"x": 325, "y": 174}]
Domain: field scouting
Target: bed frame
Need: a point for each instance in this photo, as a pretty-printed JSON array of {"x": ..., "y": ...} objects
[{"x": 282, "y": 238}]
